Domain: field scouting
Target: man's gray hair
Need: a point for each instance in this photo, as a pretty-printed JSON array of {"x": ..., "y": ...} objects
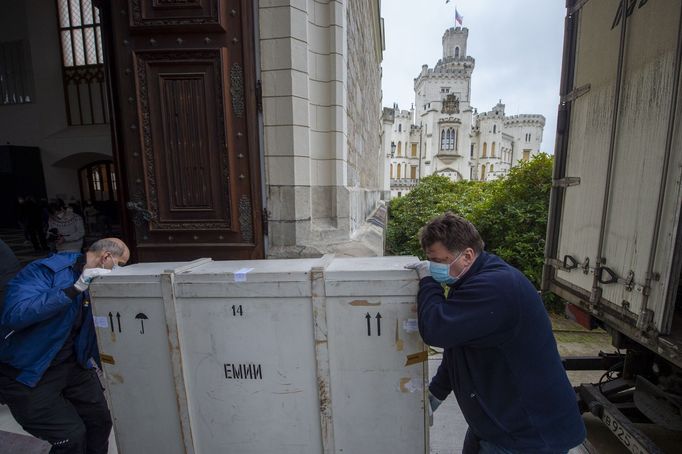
[{"x": 107, "y": 245}]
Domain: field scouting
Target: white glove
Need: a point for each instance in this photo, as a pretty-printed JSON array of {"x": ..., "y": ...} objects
[
  {"x": 422, "y": 268},
  {"x": 87, "y": 276}
]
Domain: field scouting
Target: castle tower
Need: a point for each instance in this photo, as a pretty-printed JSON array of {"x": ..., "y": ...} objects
[
  {"x": 451, "y": 75},
  {"x": 455, "y": 43},
  {"x": 442, "y": 108}
]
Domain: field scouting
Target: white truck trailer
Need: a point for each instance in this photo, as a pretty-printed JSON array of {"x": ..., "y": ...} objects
[{"x": 614, "y": 243}]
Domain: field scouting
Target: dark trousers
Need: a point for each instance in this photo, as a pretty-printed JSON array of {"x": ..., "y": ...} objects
[
  {"x": 37, "y": 236},
  {"x": 471, "y": 443},
  {"x": 67, "y": 408}
]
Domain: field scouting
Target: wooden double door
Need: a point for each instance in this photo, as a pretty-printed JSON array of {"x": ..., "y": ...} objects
[{"x": 183, "y": 86}]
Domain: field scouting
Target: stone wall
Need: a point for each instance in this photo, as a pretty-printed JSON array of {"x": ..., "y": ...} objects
[
  {"x": 322, "y": 120},
  {"x": 363, "y": 95}
]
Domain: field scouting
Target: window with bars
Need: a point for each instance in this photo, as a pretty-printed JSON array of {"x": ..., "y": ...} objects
[
  {"x": 15, "y": 81},
  {"x": 82, "y": 62}
]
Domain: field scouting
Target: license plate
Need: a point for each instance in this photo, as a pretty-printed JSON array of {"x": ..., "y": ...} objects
[{"x": 619, "y": 431}]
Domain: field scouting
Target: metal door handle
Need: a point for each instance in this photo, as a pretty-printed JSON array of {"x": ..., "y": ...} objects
[{"x": 612, "y": 279}]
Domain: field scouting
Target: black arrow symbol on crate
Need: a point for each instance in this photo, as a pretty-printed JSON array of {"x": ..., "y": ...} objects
[
  {"x": 118, "y": 319},
  {"x": 369, "y": 327},
  {"x": 378, "y": 317},
  {"x": 111, "y": 321},
  {"x": 141, "y": 317}
]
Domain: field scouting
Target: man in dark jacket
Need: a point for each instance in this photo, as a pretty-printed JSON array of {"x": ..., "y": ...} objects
[
  {"x": 500, "y": 358},
  {"x": 48, "y": 349}
]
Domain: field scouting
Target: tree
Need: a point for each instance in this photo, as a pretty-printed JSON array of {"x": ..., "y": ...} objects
[
  {"x": 513, "y": 222},
  {"x": 434, "y": 195},
  {"x": 510, "y": 213}
]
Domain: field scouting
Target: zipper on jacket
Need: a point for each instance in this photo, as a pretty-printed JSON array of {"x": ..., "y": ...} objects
[{"x": 485, "y": 410}]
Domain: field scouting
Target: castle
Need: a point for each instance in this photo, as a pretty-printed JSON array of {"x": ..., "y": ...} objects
[{"x": 443, "y": 134}]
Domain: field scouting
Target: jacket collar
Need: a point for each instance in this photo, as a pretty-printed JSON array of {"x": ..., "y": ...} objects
[
  {"x": 61, "y": 260},
  {"x": 473, "y": 270}
]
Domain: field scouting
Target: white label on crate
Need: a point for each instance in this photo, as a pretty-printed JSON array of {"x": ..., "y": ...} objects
[
  {"x": 240, "y": 275},
  {"x": 101, "y": 322},
  {"x": 413, "y": 386},
  {"x": 410, "y": 325},
  {"x": 409, "y": 385}
]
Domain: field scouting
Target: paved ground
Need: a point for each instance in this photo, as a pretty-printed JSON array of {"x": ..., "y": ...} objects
[{"x": 449, "y": 426}]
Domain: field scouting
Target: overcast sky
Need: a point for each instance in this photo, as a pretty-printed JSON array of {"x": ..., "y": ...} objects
[{"x": 517, "y": 46}]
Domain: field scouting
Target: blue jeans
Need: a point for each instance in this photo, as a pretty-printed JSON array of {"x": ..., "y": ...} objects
[
  {"x": 489, "y": 448},
  {"x": 473, "y": 445}
]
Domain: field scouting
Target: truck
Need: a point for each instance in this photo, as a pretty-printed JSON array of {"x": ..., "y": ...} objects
[{"x": 613, "y": 250}]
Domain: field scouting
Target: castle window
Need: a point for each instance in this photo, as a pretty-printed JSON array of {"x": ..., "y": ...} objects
[
  {"x": 400, "y": 127},
  {"x": 494, "y": 129},
  {"x": 485, "y": 151},
  {"x": 414, "y": 150},
  {"x": 400, "y": 152},
  {"x": 398, "y": 171},
  {"x": 456, "y": 52},
  {"x": 492, "y": 150},
  {"x": 448, "y": 139}
]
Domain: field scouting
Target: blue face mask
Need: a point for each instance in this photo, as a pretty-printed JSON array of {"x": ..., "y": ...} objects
[{"x": 441, "y": 271}]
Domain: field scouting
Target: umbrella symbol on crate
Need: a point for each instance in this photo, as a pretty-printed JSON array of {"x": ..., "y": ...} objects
[{"x": 141, "y": 317}]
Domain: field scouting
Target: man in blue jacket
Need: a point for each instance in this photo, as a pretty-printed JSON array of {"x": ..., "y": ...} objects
[
  {"x": 48, "y": 349},
  {"x": 500, "y": 358}
]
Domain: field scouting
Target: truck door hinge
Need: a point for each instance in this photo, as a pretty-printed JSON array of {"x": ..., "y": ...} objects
[
  {"x": 646, "y": 317},
  {"x": 575, "y": 93},
  {"x": 575, "y": 5},
  {"x": 566, "y": 182}
]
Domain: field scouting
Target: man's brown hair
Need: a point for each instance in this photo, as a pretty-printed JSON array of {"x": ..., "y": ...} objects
[{"x": 455, "y": 232}]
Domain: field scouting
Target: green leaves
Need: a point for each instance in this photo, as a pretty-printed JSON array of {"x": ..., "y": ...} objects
[{"x": 510, "y": 213}]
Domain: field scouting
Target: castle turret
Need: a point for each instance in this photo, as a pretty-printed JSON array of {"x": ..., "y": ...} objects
[{"x": 455, "y": 43}]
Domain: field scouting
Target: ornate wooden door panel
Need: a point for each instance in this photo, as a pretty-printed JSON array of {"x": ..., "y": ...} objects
[{"x": 186, "y": 126}]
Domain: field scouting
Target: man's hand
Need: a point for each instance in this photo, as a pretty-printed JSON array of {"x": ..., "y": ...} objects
[
  {"x": 422, "y": 268},
  {"x": 87, "y": 276}
]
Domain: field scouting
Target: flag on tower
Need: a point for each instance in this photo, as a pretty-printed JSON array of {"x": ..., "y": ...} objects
[
  {"x": 447, "y": 1},
  {"x": 458, "y": 17}
]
